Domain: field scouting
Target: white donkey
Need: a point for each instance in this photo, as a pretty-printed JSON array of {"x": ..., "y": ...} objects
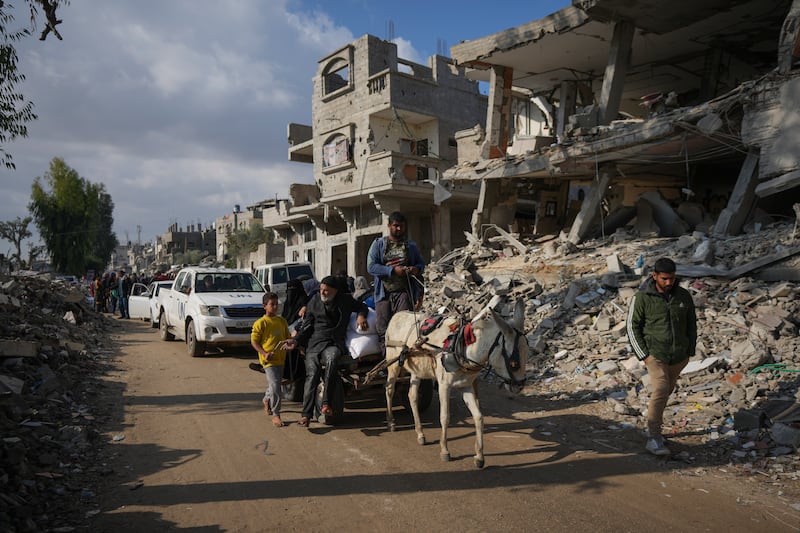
[{"x": 493, "y": 343}]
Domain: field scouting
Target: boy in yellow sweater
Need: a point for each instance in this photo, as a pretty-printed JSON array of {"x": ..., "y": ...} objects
[{"x": 270, "y": 337}]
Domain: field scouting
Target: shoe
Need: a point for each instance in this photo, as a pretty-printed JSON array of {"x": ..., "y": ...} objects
[
  {"x": 256, "y": 366},
  {"x": 326, "y": 409},
  {"x": 277, "y": 422},
  {"x": 303, "y": 421},
  {"x": 655, "y": 445}
]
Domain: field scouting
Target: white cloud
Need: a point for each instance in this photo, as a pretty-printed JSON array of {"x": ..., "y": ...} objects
[
  {"x": 319, "y": 30},
  {"x": 179, "y": 108},
  {"x": 405, "y": 50}
]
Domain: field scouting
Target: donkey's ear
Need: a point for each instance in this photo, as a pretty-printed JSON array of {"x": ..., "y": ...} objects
[
  {"x": 518, "y": 321},
  {"x": 505, "y": 327}
]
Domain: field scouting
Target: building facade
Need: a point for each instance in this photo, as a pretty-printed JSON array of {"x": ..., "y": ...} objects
[{"x": 383, "y": 133}]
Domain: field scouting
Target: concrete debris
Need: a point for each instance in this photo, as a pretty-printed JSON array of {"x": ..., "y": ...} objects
[
  {"x": 52, "y": 350},
  {"x": 748, "y": 351},
  {"x": 738, "y": 397}
]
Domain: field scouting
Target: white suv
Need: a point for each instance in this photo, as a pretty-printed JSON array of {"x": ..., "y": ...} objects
[
  {"x": 273, "y": 276},
  {"x": 211, "y": 307}
]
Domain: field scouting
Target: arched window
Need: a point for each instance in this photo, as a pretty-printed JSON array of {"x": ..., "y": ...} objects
[
  {"x": 336, "y": 76},
  {"x": 335, "y": 151}
]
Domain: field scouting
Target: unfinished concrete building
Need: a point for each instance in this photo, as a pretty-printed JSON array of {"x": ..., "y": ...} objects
[
  {"x": 383, "y": 130},
  {"x": 180, "y": 240},
  {"x": 238, "y": 220},
  {"x": 676, "y": 115}
]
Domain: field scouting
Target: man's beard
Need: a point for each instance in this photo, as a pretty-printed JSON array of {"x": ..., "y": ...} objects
[{"x": 326, "y": 299}]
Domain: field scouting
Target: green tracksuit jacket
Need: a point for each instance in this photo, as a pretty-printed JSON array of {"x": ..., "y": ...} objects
[{"x": 665, "y": 328}]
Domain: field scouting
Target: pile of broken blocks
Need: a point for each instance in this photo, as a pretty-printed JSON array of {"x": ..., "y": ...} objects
[
  {"x": 53, "y": 348},
  {"x": 739, "y": 391}
]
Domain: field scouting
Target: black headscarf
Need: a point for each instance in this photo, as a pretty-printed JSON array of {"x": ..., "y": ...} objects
[{"x": 295, "y": 300}]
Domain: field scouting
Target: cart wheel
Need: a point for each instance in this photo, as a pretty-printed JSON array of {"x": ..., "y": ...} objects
[
  {"x": 292, "y": 391},
  {"x": 294, "y": 374},
  {"x": 424, "y": 395}
]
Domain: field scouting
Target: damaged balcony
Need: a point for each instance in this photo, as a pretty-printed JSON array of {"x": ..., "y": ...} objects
[{"x": 656, "y": 97}]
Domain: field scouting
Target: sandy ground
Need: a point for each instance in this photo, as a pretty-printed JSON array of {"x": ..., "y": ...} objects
[{"x": 195, "y": 452}]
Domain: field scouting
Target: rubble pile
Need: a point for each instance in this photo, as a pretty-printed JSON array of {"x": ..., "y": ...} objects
[
  {"x": 52, "y": 347},
  {"x": 739, "y": 392}
]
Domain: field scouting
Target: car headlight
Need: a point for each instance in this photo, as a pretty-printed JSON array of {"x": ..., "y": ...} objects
[{"x": 210, "y": 310}]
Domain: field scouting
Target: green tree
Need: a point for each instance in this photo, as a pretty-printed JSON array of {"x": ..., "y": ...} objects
[
  {"x": 244, "y": 241},
  {"x": 34, "y": 251},
  {"x": 15, "y": 110},
  {"x": 74, "y": 219},
  {"x": 16, "y": 231}
]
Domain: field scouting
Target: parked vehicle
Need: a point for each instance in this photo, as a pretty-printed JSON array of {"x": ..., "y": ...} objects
[
  {"x": 68, "y": 279},
  {"x": 211, "y": 307},
  {"x": 146, "y": 302},
  {"x": 273, "y": 276}
]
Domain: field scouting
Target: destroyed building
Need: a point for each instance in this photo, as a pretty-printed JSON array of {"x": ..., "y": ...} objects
[
  {"x": 383, "y": 130},
  {"x": 677, "y": 116}
]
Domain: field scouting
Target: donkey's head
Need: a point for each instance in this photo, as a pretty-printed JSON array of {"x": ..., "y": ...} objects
[{"x": 508, "y": 354}]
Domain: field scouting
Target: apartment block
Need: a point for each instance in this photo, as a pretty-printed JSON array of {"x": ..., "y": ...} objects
[{"x": 383, "y": 132}]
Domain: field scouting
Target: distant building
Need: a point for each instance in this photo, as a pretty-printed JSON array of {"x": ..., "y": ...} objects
[
  {"x": 180, "y": 240},
  {"x": 238, "y": 220}
]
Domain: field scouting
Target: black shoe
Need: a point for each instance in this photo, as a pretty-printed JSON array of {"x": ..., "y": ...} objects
[{"x": 257, "y": 367}]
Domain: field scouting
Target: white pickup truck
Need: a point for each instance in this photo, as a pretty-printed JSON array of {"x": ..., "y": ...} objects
[
  {"x": 211, "y": 307},
  {"x": 145, "y": 302}
]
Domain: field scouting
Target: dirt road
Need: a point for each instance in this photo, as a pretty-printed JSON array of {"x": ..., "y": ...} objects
[{"x": 199, "y": 454}]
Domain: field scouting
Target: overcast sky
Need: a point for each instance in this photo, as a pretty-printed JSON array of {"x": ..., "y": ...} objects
[{"x": 180, "y": 107}]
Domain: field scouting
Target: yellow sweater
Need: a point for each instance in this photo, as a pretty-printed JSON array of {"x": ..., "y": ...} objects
[{"x": 267, "y": 332}]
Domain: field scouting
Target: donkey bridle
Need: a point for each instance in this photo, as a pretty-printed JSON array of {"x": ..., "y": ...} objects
[{"x": 512, "y": 361}]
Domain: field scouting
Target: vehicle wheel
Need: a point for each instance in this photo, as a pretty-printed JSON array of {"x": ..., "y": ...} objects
[
  {"x": 196, "y": 348},
  {"x": 153, "y": 323},
  {"x": 335, "y": 400},
  {"x": 163, "y": 330},
  {"x": 424, "y": 395}
]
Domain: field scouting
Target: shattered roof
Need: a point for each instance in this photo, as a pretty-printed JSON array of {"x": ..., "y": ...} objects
[{"x": 669, "y": 46}]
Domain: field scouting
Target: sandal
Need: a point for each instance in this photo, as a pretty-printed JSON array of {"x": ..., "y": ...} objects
[
  {"x": 277, "y": 422},
  {"x": 267, "y": 408},
  {"x": 326, "y": 409},
  {"x": 303, "y": 421}
]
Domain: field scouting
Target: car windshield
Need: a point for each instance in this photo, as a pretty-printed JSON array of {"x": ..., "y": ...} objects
[{"x": 228, "y": 282}]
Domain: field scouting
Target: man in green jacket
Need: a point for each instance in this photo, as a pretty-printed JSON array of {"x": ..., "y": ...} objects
[{"x": 662, "y": 328}]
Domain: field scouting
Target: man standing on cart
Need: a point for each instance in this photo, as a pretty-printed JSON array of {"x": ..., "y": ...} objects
[
  {"x": 397, "y": 265},
  {"x": 323, "y": 334}
]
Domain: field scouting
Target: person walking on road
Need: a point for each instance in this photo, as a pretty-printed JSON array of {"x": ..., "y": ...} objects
[
  {"x": 662, "y": 329},
  {"x": 397, "y": 265},
  {"x": 323, "y": 334},
  {"x": 270, "y": 337},
  {"x": 124, "y": 291}
]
